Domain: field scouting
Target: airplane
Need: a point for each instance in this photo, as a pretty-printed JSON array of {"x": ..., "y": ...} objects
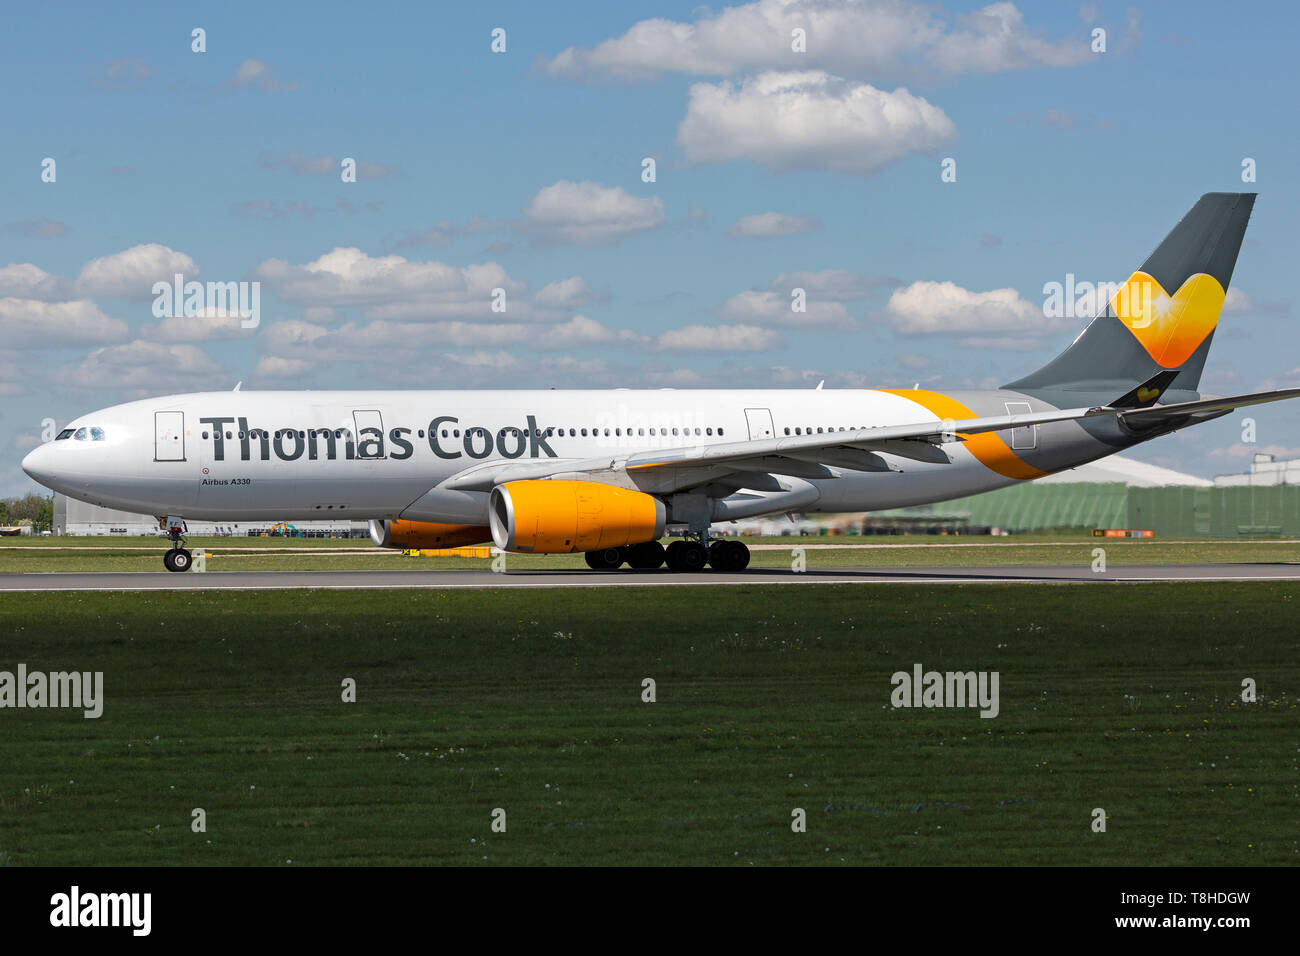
[{"x": 609, "y": 472}]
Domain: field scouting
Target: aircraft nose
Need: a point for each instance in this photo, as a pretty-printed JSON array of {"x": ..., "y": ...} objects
[{"x": 39, "y": 466}]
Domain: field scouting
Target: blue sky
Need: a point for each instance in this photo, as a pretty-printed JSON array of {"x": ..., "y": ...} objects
[{"x": 522, "y": 170}]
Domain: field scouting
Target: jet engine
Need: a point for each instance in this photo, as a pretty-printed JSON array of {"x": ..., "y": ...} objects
[
  {"x": 562, "y": 517},
  {"x": 426, "y": 534}
]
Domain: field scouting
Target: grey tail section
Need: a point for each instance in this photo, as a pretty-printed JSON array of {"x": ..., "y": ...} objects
[{"x": 1107, "y": 359}]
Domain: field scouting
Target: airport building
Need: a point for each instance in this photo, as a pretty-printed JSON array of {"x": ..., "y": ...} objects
[{"x": 73, "y": 517}]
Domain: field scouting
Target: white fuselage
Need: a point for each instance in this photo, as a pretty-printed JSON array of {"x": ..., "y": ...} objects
[{"x": 367, "y": 454}]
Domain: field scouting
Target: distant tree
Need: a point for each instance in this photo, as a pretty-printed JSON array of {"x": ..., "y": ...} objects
[
  {"x": 44, "y": 520},
  {"x": 36, "y": 508}
]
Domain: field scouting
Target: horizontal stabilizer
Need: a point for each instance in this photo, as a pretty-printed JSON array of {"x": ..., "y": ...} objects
[{"x": 1160, "y": 413}]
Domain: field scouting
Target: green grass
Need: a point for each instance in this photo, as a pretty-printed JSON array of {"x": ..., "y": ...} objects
[
  {"x": 1124, "y": 697},
  {"x": 278, "y": 554}
]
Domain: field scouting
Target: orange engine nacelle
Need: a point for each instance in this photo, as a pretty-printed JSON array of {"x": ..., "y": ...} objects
[
  {"x": 426, "y": 534},
  {"x": 561, "y": 517}
]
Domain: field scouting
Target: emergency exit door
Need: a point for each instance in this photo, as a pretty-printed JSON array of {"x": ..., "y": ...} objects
[
  {"x": 1024, "y": 438},
  {"x": 760, "y": 423},
  {"x": 168, "y": 436}
]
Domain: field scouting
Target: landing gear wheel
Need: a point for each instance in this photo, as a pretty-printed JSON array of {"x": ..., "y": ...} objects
[
  {"x": 728, "y": 556},
  {"x": 686, "y": 556},
  {"x": 646, "y": 556},
  {"x": 606, "y": 559},
  {"x": 177, "y": 559}
]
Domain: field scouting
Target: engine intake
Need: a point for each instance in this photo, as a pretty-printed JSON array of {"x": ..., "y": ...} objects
[{"x": 563, "y": 517}]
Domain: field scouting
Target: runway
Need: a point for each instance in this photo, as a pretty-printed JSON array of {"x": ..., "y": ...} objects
[{"x": 475, "y": 578}]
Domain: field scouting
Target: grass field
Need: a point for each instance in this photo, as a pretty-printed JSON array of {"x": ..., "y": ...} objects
[
  {"x": 1127, "y": 699},
  {"x": 295, "y": 554}
]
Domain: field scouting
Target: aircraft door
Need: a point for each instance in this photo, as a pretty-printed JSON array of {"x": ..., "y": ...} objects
[
  {"x": 760, "y": 423},
  {"x": 1024, "y": 438},
  {"x": 169, "y": 436},
  {"x": 370, "y": 434}
]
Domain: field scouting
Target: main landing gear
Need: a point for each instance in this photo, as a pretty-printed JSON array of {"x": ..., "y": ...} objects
[
  {"x": 176, "y": 559},
  {"x": 688, "y": 554}
]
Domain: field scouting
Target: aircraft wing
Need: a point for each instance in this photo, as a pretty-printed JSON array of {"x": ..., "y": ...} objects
[{"x": 803, "y": 456}]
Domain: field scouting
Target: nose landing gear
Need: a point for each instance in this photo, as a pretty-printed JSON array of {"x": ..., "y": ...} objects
[{"x": 177, "y": 558}]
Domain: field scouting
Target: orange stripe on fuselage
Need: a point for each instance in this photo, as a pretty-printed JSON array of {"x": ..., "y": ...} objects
[{"x": 987, "y": 447}]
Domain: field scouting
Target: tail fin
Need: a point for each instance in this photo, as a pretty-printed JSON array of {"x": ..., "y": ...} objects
[{"x": 1163, "y": 318}]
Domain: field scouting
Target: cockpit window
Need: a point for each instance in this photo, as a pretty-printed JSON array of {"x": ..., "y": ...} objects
[
  {"x": 96, "y": 434},
  {"x": 64, "y": 435},
  {"x": 80, "y": 435}
]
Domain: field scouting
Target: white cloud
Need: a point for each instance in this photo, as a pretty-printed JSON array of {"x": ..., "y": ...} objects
[
  {"x": 132, "y": 272},
  {"x": 26, "y": 281},
  {"x": 762, "y": 225},
  {"x": 273, "y": 366},
  {"x": 29, "y": 323},
  {"x": 149, "y": 366},
  {"x": 928, "y": 308},
  {"x": 994, "y": 39},
  {"x": 259, "y": 75},
  {"x": 1240, "y": 303},
  {"x": 720, "y": 338},
  {"x": 581, "y": 332},
  {"x": 209, "y": 325},
  {"x": 839, "y": 285},
  {"x": 775, "y": 308},
  {"x": 864, "y": 38},
  {"x": 379, "y": 341},
  {"x": 588, "y": 214},
  {"x": 809, "y": 120},
  {"x": 393, "y": 287},
  {"x": 567, "y": 294}
]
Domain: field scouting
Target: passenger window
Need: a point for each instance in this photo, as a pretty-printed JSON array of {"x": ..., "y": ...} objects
[
  {"x": 719, "y": 431},
  {"x": 205, "y": 436}
]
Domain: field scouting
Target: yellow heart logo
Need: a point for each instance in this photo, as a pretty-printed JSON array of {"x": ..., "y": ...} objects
[
  {"x": 1148, "y": 394},
  {"x": 1170, "y": 328}
]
